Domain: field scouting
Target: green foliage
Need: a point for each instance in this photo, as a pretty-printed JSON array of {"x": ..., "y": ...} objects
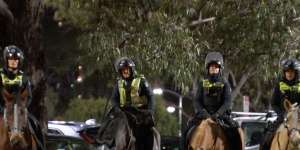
[
  {"x": 83, "y": 109},
  {"x": 166, "y": 123},
  {"x": 170, "y": 39},
  {"x": 51, "y": 100}
]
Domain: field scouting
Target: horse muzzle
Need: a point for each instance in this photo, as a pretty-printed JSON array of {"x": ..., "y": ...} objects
[{"x": 17, "y": 140}]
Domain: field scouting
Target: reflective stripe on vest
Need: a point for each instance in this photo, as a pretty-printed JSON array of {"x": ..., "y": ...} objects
[
  {"x": 136, "y": 99},
  {"x": 16, "y": 81},
  {"x": 208, "y": 84},
  {"x": 285, "y": 87}
]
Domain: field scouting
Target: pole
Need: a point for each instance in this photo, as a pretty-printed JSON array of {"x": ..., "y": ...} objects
[{"x": 180, "y": 116}]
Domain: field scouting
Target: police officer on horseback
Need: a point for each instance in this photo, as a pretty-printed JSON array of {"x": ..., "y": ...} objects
[
  {"x": 213, "y": 98},
  {"x": 133, "y": 94},
  {"x": 131, "y": 89},
  {"x": 12, "y": 79},
  {"x": 288, "y": 88},
  {"x": 14, "y": 82}
]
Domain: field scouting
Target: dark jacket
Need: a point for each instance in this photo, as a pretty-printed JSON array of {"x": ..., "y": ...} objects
[
  {"x": 144, "y": 90},
  {"x": 280, "y": 93},
  {"x": 213, "y": 99}
]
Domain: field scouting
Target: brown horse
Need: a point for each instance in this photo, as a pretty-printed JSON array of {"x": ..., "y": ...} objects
[
  {"x": 15, "y": 130},
  {"x": 211, "y": 136},
  {"x": 287, "y": 136}
]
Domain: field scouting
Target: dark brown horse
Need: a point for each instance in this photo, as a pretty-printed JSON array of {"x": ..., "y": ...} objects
[
  {"x": 116, "y": 132},
  {"x": 211, "y": 136},
  {"x": 15, "y": 131}
]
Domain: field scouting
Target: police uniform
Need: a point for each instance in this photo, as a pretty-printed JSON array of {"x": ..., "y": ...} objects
[
  {"x": 133, "y": 92},
  {"x": 213, "y": 99},
  {"x": 284, "y": 90},
  {"x": 134, "y": 95}
]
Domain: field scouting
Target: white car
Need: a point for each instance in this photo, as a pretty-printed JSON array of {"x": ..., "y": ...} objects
[
  {"x": 253, "y": 125},
  {"x": 65, "y": 128}
]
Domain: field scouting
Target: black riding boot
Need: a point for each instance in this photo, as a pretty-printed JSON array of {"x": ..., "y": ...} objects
[
  {"x": 269, "y": 134},
  {"x": 231, "y": 130}
]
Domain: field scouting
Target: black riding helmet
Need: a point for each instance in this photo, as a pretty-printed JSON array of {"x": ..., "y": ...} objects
[
  {"x": 214, "y": 58},
  {"x": 13, "y": 52},
  {"x": 293, "y": 64},
  {"x": 125, "y": 62}
]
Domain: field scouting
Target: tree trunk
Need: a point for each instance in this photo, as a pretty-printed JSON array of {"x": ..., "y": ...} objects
[
  {"x": 241, "y": 83},
  {"x": 24, "y": 31}
]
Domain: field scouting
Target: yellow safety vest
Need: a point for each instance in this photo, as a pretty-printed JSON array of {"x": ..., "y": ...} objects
[
  {"x": 136, "y": 99},
  {"x": 8, "y": 82},
  {"x": 285, "y": 87},
  {"x": 208, "y": 84}
]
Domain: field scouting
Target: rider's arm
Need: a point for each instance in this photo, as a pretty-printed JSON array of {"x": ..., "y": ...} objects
[
  {"x": 198, "y": 101},
  {"x": 29, "y": 89},
  {"x": 227, "y": 99},
  {"x": 115, "y": 101},
  {"x": 146, "y": 88},
  {"x": 276, "y": 100}
]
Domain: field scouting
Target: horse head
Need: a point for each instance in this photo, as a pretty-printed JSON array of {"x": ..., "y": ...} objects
[
  {"x": 15, "y": 119},
  {"x": 292, "y": 122},
  {"x": 115, "y": 130}
]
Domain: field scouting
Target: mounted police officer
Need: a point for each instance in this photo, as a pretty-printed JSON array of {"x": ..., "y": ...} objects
[
  {"x": 133, "y": 91},
  {"x": 288, "y": 88},
  {"x": 12, "y": 79},
  {"x": 213, "y": 99},
  {"x": 14, "y": 82}
]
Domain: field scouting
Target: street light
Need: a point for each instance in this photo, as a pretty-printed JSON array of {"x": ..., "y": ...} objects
[
  {"x": 171, "y": 109},
  {"x": 159, "y": 91}
]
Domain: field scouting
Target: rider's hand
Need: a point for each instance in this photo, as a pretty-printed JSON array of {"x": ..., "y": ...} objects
[
  {"x": 216, "y": 115},
  {"x": 202, "y": 115}
]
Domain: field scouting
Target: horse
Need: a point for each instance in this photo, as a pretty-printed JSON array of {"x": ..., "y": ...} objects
[
  {"x": 287, "y": 136},
  {"x": 209, "y": 135},
  {"x": 119, "y": 131},
  {"x": 15, "y": 129}
]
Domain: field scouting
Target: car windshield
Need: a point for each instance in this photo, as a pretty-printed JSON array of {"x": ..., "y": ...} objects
[
  {"x": 253, "y": 132},
  {"x": 67, "y": 143}
]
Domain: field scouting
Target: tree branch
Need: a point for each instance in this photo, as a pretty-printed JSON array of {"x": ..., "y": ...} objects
[
  {"x": 242, "y": 81},
  {"x": 5, "y": 11},
  {"x": 200, "y": 21}
]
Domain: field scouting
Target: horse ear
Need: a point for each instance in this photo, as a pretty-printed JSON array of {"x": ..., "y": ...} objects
[{"x": 287, "y": 105}]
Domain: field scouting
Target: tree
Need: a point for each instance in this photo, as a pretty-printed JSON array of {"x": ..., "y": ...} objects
[
  {"x": 172, "y": 38},
  {"x": 20, "y": 25}
]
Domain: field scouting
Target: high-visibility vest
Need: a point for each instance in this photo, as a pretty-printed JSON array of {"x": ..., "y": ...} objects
[
  {"x": 135, "y": 99},
  {"x": 18, "y": 80},
  {"x": 208, "y": 84},
  {"x": 285, "y": 87}
]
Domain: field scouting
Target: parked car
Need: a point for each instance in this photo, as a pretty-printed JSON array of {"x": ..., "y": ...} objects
[
  {"x": 253, "y": 125},
  {"x": 70, "y": 128},
  {"x": 64, "y": 135}
]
